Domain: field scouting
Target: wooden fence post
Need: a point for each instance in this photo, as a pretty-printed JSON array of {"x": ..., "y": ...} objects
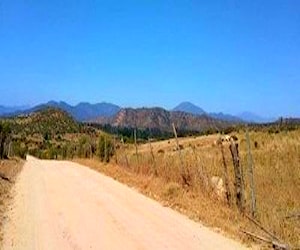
[
  {"x": 251, "y": 176},
  {"x": 239, "y": 185},
  {"x": 226, "y": 179}
]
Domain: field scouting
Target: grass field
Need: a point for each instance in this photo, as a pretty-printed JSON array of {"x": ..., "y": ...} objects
[{"x": 276, "y": 175}]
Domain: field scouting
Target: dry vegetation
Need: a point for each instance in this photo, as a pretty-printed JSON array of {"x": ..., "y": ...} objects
[
  {"x": 276, "y": 175},
  {"x": 9, "y": 170}
]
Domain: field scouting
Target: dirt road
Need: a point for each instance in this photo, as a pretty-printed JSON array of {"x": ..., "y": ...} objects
[{"x": 62, "y": 205}]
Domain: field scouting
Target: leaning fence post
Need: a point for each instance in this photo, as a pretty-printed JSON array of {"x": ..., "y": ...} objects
[
  {"x": 251, "y": 176},
  {"x": 239, "y": 185}
]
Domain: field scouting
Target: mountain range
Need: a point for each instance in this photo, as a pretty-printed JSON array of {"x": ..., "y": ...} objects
[
  {"x": 81, "y": 112},
  {"x": 85, "y": 111},
  {"x": 159, "y": 118}
]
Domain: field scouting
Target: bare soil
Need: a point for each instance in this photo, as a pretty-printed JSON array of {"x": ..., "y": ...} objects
[{"x": 9, "y": 170}]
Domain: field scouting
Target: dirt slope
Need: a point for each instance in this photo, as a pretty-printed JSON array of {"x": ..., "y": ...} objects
[
  {"x": 9, "y": 170},
  {"x": 62, "y": 205}
]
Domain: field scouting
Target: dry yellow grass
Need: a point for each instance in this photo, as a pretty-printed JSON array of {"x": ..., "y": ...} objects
[
  {"x": 276, "y": 174},
  {"x": 197, "y": 206}
]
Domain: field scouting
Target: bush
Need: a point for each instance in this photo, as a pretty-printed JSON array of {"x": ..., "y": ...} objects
[
  {"x": 5, "y": 132},
  {"x": 19, "y": 149},
  {"x": 105, "y": 148}
]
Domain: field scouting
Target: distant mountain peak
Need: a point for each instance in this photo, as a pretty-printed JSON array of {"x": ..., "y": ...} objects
[
  {"x": 189, "y": 107},
  {"x": 187, "y": 103}
]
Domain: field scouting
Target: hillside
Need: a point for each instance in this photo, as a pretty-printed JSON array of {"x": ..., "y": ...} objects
[
  {"x": 47, "y": 133},
  {"x": 158, "y": 118},
  {"x": 49, "y": 120}
]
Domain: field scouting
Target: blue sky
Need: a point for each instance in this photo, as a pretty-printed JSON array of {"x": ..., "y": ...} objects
[{"x": 225, "y": 55}]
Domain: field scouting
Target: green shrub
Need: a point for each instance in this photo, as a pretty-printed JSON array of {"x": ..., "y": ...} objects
[{"x": 105, "y": 148}]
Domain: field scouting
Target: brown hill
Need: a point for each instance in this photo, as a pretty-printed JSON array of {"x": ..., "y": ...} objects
[{"x": 158, "y": 118}]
